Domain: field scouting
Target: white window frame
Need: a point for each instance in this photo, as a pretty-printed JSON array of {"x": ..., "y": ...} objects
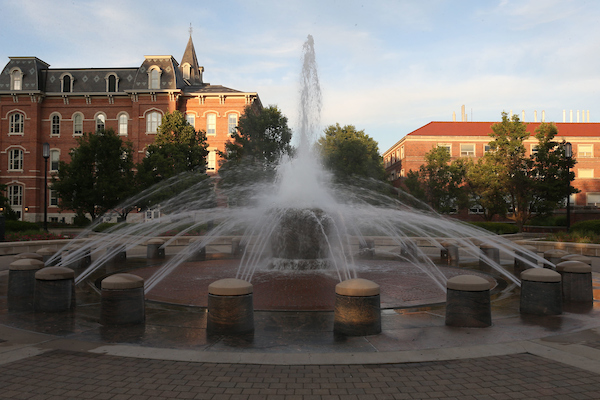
[
  {"x": 211, "y": 124},
  {"x": 448, "y": 146},
  {"x": 55, "y": 124},
  {"x": 15, "y": 195},
  {"x": 62, "y": 83},
  {"x": 232, "y": 123},
  {"x": 100, "y": 122},
  {"x": 15, "y": 160},
  {"x": 402, "y": 152},
  {"x": 116, "y": 78},
  {"x": 123, "y": 120},
  {"x": 52, "y": 198},
  {"x": 211, "y": 160},
  {"x": 186, "y": 70},
  {"x": 77, "y": 124},
  {"x": 534, "y": 149},
  {"x": 16, "y": 79},
  {"x": 467, "y": 153},
  {"x": 54, "y": 159},
  {"x": 191, "y": 119},
  {"x": 592, "y": 199},
  {"x": 585, "y": 173},
  {"x": 154, "y": 75},
  {"x": 585, "y": 150},
  {"x": 153, "y": 121},
  {"x": 16, "y": 123}
]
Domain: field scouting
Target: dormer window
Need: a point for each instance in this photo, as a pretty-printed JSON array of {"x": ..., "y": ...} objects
[
  {"x": 66, "y": 83},
  {"x": 154, "y": 78},
  {"x": 16, "y": 79},
  {"x": 112, "y": 83},
  {"x": 187, "y": 71}
]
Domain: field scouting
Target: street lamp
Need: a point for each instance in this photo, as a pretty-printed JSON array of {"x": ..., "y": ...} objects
[
  {"x": 46, "y": 155},
  {"x": 568, "y": 156}
]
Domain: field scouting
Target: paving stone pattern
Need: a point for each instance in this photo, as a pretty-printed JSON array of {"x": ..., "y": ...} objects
[{"x": 64, "y": 375}]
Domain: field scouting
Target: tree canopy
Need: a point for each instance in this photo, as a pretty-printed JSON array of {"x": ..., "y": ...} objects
[{"x": 347, "y": 151}]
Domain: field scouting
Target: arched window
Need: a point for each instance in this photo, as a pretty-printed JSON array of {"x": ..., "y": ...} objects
[
  {"x": 77, "y": 124},
  {"x": 123, "y": 119},
  {"x": 54, "y": 160},
  {"x": 211, "y": 124},
  {"x": 154, "y": 78},
  {"x": 16, "y": 123},
  {"x": 100, "y": 122},
  {"x": 15, "y": 195},
  {"x": 187, "y": 69},
  {"x": 112, "y": 83},
  {"x": 232, "y": 121},
  {"x": 55, "y": 122},
  {"x": 153, "y": 120},
  {"x": 66, "y": 83},
  {"x": 16, "y": 79},
  {"x": 15, "y": 160}
]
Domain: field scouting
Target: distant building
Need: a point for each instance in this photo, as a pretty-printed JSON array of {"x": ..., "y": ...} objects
[
  {"x": 40, "y": 104},
  {"x": 470, "y": 139}
]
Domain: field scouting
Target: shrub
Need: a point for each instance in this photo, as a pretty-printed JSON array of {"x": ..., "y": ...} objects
[
  {"x": 499, "y": 228},
  {"x": 575, "y": 237},
  {"x": 20, "y": 226},
  {"x": 553, "y": 220},
  {"x": 587, "y": 226},
  {"x": 31, "y": 235}
]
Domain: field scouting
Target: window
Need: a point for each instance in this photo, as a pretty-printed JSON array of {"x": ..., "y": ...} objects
[
  {"x": 54, "y": 159},
  {"x": 402, "y": 173},
  {"x": 232, "y": 121},
  {"x": 593, "y": 199},
  {"x": 15, "y": 195},
  {"x": 585, "y": 150},
  {"x": 16, "y": 79},
  {"x": 55, "y": 131},
  {"x": 100, "y": 122},
  {"x": 487, "y": 148},
  {"x": 476, "y": 209},
  {"x": 66, "y": 83},
  {"x": 15, "y": 160},
  {"x": 212, "y": 160},
  {"x": 191, "y": 119},
  {"x": 78, "y": 124},
  {"x": 153, "y": 122},
  {"x": 154, "y": 78},
  {"x": 401, "y": 152},
  {"x": 211, "y": 124},
  {"x": 467, "y": 150},
  {"x": 534, "y": 149},
  {"x": 585, "y": 173},
  {"x": 16, "y": 124},
  {"x": 53, "y": 197},
  {"x": 123, "y": 124},
  {"x": 187, "y": 69},
  {"x": 112, "y": 83},
  {"x": 446, "y": 146}
]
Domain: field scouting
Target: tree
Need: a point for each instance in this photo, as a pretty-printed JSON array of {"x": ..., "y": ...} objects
[
  {"x": 99, "y": 176},
  {"x": 347, "y": 152},
  {"x": 534, "y": 184},
  {"x": 486, "y": 189},
  {"x": 439, "y": 181}
]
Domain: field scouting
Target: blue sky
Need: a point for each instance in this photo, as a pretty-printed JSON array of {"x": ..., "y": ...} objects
[{"x": 388, "y": 67}]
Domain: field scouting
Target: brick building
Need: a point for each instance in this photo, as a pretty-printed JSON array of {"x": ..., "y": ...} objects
[
  {"x": 470, "y": 139},
  {"x": 39, "y": 104}
]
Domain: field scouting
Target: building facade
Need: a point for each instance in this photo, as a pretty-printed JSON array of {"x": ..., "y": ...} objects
[
  {"x": 39, "y": 104},
  {"x": 470, "y": 139}
]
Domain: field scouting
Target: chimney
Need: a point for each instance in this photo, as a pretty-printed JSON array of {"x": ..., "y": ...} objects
[
  {"x": 570, "y": 115},
  {"x": 543, "y": 115},
  {"x": 577, "y": 115},
  {"x": 453, "y": 116},
  {"x": 523, "y": 116},
  {"x": 534, "y": 115},
  {"x": 588, "y": 116},
  {"x": 564, "y": 115},
  {"x": 462, "y": 113}
]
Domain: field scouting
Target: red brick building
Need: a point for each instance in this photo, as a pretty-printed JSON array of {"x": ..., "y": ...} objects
[
  {"x": 39, "y": 104},
  {"x": 470, "y": 139}
]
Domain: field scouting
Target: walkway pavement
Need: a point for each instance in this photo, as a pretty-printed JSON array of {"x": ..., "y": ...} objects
[{"x": 296, "y": 356}]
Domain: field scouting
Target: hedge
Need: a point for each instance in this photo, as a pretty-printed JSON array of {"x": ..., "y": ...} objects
[{"x": 499, "y": 228}]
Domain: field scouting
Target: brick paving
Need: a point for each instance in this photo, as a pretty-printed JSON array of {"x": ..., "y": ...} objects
[{"x": 60, "y": 374}]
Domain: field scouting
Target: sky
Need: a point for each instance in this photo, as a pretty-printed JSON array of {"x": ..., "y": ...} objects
[{"x": 386, "y": 67}]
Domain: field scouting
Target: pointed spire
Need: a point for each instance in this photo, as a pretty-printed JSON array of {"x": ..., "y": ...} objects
[{"x": 189, "y": 64}]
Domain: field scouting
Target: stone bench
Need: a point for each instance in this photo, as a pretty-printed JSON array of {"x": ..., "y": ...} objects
[
  {"x": 54, "y": 289},
  {"x": 357, "y": 309},
  {"x": 122, "y": 300},
  {"x": 230, "y": 307},
  {"x": 21, "y": 283},
  {"x": 468, "y": 302},
  {"x": 576, "y": 281},
  {"x": 541, "y": 292}
]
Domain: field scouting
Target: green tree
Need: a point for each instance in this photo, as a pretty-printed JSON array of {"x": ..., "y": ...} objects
[
  {"x": 99, "y": 176},
  {"x": 486, "y": 189},
  {"x": 347, "y": 152}
]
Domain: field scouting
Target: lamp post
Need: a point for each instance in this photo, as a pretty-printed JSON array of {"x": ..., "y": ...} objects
[
  {"x": 46, "y": 155},
  {"x": 568, "y": 156}
]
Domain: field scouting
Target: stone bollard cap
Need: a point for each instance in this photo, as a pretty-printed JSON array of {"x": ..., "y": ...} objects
[
  {"x": 230, "y": 287},
  {"x": 122, "y": 281},
  {"x": 34, "y": 256},
  {"x": 468, "y": 283},
  {"x": 357, "y": 288},
  {"x": 488, "y": 246},
  {"x": 577, "y": 257},
  {"x": 555, "y": 253},
  {"x": 155, "y": 241},
  {"x": 574, "y": 267},
  {"x": 54, "y": 273},
  {"x": 528, "y": 248},
  {"x": 540, "y": 275},
  {"x": 45, "y": 251},
  {"x": 26, "y": 264}
]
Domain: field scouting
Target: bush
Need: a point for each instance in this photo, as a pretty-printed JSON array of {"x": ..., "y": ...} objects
[
  {"x": 31, "y": 235},
  {"x": 575, "y": 237},
  {"x": 499, "y": 228},
  {"x": 587, "y": 226},
  {"x": 20, "y": 226},
  {"x": 81, "y": 220},
  {"x": 554, "y": 220}
]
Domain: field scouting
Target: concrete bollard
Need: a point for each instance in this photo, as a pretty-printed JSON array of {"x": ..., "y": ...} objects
[
  {"x": 577, "y": 257},
  {"x": 33, "y": 256},
  {"x": 122, "y": 300},
  {"x": 230, "y": 307},
  {"x": 21, "y": 283},
  {"x": 237, "y": 247},
  {"x": 117, "y": 254},
  {"x": 468, "y": 302},
  {"x": 554, "y": 256},
  {"x": 576, "y": 281},
  {"x": 77, "y": 258},
  {"x": 54, "y": 289},
  {"x": 198, "y": 253},
  {"x": 155, "y": 249},
  {"x": 541, "y": 292},
  {"x": 489, "y": 255},
  {"x": 47, "y": 254},
  {"x": 366, "y": 249},
  {"x": 523, "y": 255},
  {"x": 409, "y": 248},
  {"x": 449, "y": 253},
  {"x": 357, "y": 309}
]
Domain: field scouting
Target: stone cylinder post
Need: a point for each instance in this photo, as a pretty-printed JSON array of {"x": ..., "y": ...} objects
[
  {"x": 54, "y": 289},
  {"x": 21, "y": 283},
  {"x": 468, "y": 302},
  {"x": 541, "y": 292},
  {"x": 576, "y": 281},
  {"x": 122, "y": 300},
  {"x": 357, "y": 309},
  {"x": 230, "y": 307}
]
